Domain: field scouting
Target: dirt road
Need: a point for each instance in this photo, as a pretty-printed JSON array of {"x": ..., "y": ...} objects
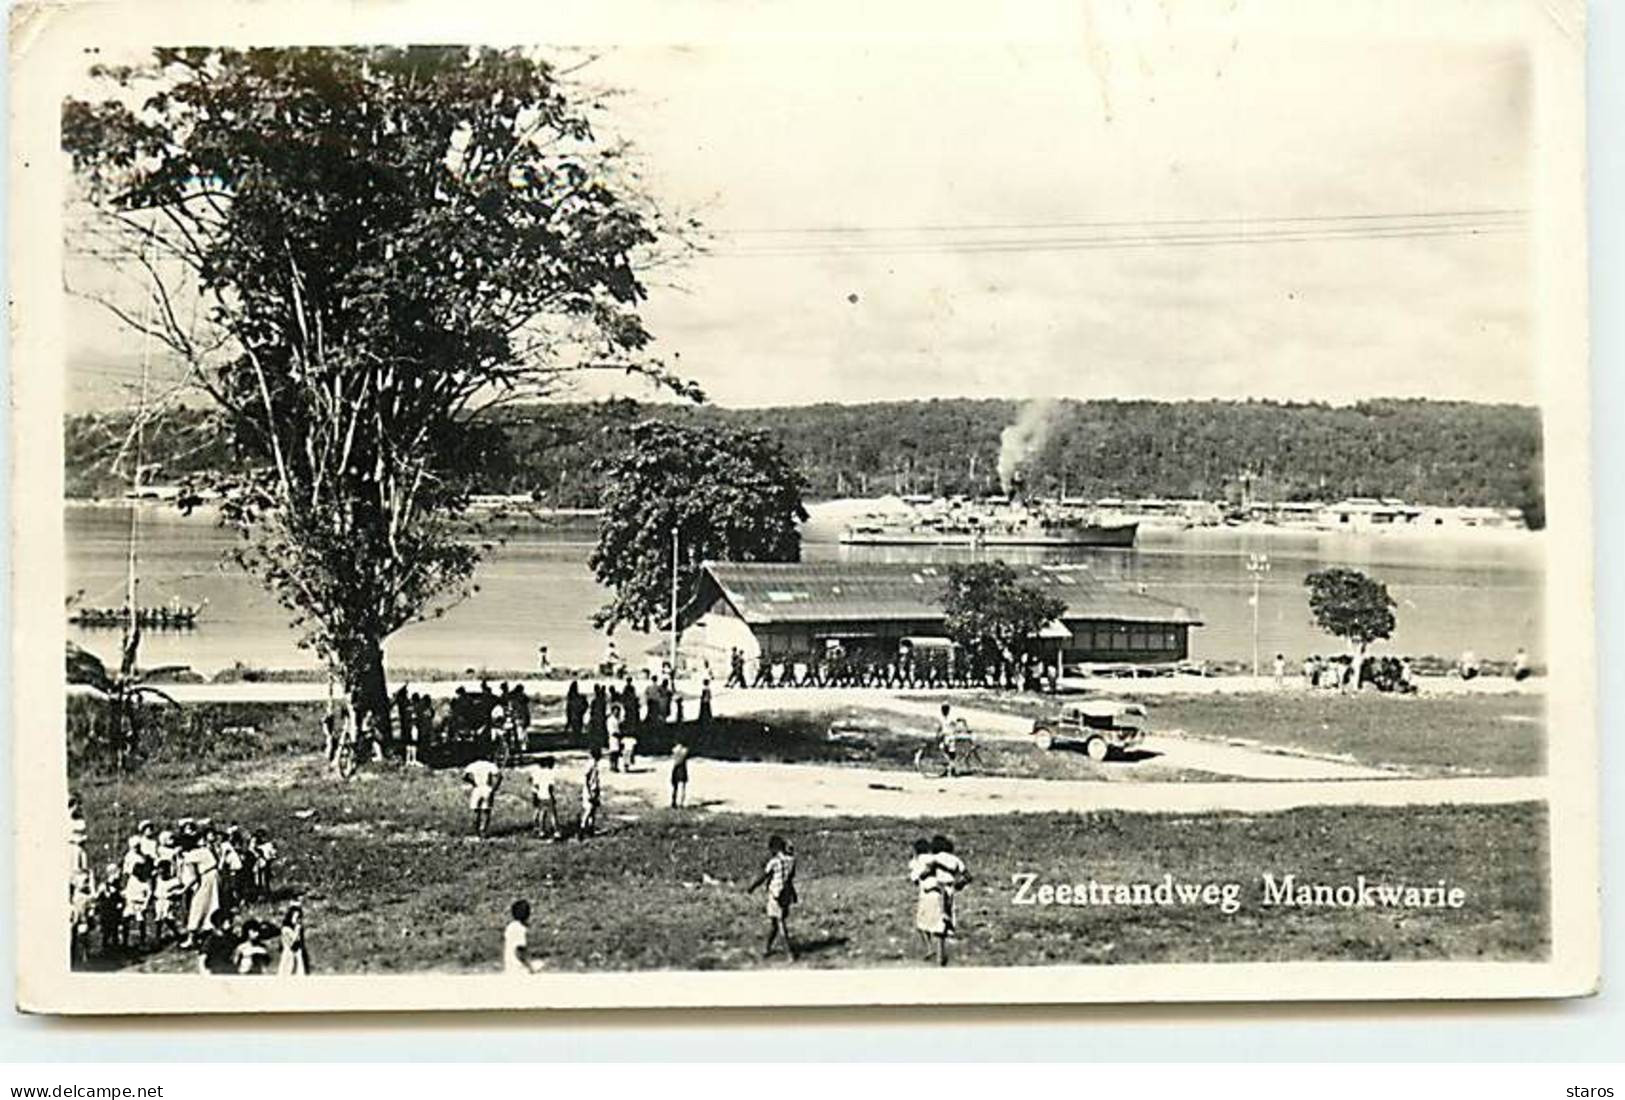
[{"x": 802, "y": 790}]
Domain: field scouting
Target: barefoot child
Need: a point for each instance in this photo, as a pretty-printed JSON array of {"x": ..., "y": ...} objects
[{"x": 779, "y": 875}]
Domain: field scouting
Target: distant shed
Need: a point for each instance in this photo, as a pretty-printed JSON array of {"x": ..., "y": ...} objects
[{"x": 787, "y": 611}]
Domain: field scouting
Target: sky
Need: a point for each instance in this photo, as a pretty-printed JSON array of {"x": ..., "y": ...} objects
[{"x": 1126, "y": 204}]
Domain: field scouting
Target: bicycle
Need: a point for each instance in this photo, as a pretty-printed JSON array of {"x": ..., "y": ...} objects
[{"x": 965, "y": 759}]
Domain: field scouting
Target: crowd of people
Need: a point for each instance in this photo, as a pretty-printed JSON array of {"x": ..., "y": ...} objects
[
  {"x": 181, "y": 885},
  {"x": 417, "y": 727}
]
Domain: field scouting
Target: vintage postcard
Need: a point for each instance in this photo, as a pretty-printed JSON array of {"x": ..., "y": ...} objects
[{"x": 646, "y": 505}]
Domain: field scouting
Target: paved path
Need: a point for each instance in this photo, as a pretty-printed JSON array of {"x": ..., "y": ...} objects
[{"x": 805, "y": 791}]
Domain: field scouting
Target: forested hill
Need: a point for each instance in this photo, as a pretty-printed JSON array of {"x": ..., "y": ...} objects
[{"x": 1425, "y": 451}]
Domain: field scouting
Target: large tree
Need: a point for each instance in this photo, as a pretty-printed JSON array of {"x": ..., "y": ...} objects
[
  {"x": 384, "y": 245},
  {"x": 990, "y": 612},
  {"x": 728, "y": 495},
  {"x": 1350, "y": 605}
]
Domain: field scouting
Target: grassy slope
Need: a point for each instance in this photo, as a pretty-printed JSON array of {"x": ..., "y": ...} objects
[
  {"x": 1454, "y": 735},
  {"x": 392, "y": 883}
]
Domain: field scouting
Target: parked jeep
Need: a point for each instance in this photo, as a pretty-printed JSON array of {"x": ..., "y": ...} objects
[{"x": 1099, "y": 725}]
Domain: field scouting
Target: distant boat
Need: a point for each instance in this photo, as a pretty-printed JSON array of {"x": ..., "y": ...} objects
[
  {"x": 988, "y": 523},
  {"x": 148, "y": 618}
]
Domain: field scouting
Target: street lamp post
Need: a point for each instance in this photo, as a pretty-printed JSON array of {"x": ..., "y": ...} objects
[{"x": 1257, "y": 565}]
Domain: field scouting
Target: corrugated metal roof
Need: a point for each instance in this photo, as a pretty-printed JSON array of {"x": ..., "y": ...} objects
[{"x": 858, "y": 592}]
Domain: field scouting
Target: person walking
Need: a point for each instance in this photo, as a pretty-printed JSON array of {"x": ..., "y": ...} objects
[{"x": 779, "y": 876}]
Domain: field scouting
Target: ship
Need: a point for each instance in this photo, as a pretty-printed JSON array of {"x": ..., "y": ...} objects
[{"x": 994, "y": 521}]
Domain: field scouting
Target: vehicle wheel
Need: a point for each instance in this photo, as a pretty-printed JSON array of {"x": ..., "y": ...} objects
[
  {"x": 1046, "y": 739},
  {"x": 1096, "y": 748}
]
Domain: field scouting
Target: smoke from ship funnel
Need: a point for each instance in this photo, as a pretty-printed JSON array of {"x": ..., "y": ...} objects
[{"x": 1021, "y": 442}]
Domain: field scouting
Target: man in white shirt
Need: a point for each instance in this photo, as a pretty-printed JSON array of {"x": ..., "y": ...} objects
[
  {"x": 483, "y": 778},
  {"x": 516, "y": 957}
]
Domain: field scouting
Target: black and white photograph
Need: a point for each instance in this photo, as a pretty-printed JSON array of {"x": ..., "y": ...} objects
[{"x": 1083, "y": 502}]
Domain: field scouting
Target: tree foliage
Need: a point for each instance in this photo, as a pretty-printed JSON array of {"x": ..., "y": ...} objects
[
  {"x": 729, "y": 495},
  {"x": 1350, "y": 605},
  {"x": 1430, "y": 452},
  {"x": 385, "y": 245},
  {"x": 990, "y": 612}
]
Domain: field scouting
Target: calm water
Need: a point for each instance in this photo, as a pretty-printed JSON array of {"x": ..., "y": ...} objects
[{"x": 1484, "y": 593}]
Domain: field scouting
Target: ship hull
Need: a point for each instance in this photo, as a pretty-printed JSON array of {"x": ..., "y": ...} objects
[{"x": 1118, "y": 535}]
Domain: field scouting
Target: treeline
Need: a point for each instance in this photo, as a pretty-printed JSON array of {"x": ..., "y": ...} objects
[{"x": 1425, "y": 451}]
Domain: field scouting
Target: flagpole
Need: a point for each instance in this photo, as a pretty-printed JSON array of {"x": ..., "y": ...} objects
[{"x": 674, "y": 560}]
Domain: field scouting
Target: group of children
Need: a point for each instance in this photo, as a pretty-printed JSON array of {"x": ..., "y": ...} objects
[
  {"x": 484, "y": 778},
  {"x": 172, "y": 884}
]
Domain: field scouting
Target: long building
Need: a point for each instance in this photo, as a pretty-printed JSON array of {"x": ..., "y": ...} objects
[{"x": 792, "y": 611}]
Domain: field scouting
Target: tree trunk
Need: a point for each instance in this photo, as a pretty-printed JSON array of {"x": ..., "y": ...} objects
[{"x": 364, "y": 680}]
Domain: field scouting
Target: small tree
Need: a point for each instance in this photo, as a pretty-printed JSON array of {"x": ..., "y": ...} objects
[
  {"x": 1350, "y": 605},
  {"x": 990, "y": 611},
  {"x": 729, "y": 495}
]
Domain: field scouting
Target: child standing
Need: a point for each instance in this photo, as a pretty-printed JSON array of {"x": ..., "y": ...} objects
[
  {"x": 295, "y": 960},
  {"x": 679, "y": 775},
  {"x": 516, "y": 956},
  {"x": 137, "y": 903},
  {"x": 592, "y": 794},
  {"x": 779, "y": 875},
  {"x": 543, "y": 801},
  {"x": 264, "y": 857},
  {"x": 253, "y": 955},
  {"x": 483, "y": 778},
  {"x": 616, "y": 728},
  {"x": 166, "y": 895},
  {"x": 930, "y": 918},
  {"x": 951, "y": 876},
  {"x": 110, "y": 909}
]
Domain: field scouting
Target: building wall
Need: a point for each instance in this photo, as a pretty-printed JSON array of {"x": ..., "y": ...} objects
[
  {"x": 1095, "y": 642},
  {"x": 718, "y": 631}
]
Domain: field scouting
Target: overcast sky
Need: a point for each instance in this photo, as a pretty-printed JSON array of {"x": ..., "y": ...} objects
[{"x": 1131, "y": 207}]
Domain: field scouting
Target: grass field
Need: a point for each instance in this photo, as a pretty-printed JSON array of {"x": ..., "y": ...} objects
[
  {"x": 392, "y": 882},
  {"x": 1455, "y": 735}
]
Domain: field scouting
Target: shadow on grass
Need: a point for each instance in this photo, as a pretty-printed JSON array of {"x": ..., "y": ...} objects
[{"x": 817, "y": 946}]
